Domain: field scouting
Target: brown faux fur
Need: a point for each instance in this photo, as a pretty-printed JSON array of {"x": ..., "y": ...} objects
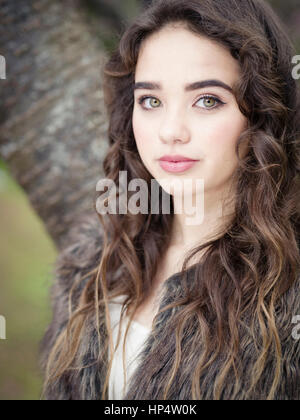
[{"x": 79, "y": 257}]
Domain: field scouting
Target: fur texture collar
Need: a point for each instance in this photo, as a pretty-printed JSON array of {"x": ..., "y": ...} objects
[{"x": 80, "y": 255}]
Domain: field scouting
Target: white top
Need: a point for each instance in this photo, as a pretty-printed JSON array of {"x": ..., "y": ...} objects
[{"x": 136, "y": 337}]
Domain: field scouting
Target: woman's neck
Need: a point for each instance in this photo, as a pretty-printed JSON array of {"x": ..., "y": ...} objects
[{"x": 217, "y": 214}]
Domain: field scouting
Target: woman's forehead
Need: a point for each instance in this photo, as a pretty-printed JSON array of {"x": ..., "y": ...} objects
[{"x": 179, "y": 54}]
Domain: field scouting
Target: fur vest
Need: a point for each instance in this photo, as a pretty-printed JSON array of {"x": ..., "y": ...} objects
[{"x": 80, "y": 254}]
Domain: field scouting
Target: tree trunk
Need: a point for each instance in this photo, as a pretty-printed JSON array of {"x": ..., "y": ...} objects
[{"x": 52, "y": 119}]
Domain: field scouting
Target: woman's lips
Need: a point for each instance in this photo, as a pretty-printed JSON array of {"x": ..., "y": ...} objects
[{"x": 181, "y": 166}]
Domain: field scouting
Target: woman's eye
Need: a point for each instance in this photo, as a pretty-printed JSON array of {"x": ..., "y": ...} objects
[
  {"x": 207, "y": 102},
  {"x": 210, "y": 102},
  {"x": 152, "y": 102}
]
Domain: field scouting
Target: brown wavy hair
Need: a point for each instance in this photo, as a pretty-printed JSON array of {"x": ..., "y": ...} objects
[{"x": 244, "y": 271}]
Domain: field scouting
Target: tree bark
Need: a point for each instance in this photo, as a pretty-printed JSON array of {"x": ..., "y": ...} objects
[{"x": 53, "y": 126}]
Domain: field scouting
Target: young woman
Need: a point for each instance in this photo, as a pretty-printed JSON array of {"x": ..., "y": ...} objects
[{"x": 149, "y": 306}]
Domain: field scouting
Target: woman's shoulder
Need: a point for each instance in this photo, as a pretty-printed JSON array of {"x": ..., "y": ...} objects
[
  {"x": 78, "y": 255},
  {"x": 288, "y": 305},
  {"x": 287, "y": 323},
  {"x": 288, "y": 309},
  {"x": 80, "y": 251}
]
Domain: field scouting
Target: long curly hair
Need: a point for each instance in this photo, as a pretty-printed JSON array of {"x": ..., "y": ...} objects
[{"x": 243, "y": 272}]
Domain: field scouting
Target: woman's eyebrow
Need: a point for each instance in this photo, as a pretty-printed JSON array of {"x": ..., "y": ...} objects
[{"x": 187, "y": 88}]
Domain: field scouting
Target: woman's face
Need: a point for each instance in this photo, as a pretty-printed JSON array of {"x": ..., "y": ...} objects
[{"x": 174, "y": 114}]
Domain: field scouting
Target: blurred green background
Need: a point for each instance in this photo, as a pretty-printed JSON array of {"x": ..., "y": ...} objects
[
  {"x": 26, "y": 262},
  {"x": 26, "y": 258}
]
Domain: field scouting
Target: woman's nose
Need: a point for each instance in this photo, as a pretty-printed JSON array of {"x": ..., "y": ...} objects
[{"x": 174, "y": 128}]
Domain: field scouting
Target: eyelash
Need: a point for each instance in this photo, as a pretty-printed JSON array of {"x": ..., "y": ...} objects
[{"x": 219, "y": 102}]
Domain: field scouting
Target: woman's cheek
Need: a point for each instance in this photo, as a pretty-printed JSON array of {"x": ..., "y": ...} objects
[
  {"x": 144, "y": 134},
  {"x": 137, "y": 130},
  {"x": 222, "y": 134},
  {"x": 144, "y": 143},
  {"x": 219, "y": 138}
]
